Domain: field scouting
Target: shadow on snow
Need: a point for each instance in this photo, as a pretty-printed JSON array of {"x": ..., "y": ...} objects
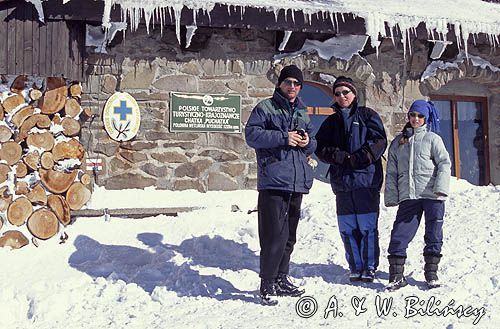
[{"x": 169, "y": 266}]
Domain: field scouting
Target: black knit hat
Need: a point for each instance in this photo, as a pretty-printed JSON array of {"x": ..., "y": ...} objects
[
  {"x": 290, "y": 71},
  {"x": 346, "y": 82}
]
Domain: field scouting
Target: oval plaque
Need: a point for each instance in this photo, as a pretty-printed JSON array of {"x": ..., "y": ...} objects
[{"x": 121, "y": 117}]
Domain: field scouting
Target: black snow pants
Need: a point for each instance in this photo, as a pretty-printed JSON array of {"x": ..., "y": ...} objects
[{"x": 278, "y": 213}]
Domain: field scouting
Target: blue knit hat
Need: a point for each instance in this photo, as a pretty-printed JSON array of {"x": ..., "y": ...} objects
[{"x": 430, "y": 113}]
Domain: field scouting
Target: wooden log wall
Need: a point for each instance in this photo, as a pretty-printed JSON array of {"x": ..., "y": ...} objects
[{"x": 29, "y": 47}]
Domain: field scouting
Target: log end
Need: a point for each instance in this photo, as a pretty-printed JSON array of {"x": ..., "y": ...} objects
[{"x": 13, "y": 239}]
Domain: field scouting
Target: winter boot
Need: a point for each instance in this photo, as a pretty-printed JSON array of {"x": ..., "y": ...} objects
[
  {"x": 355, "y": 276},
  {"x": 368, "y": 275},
  {"x": 268, "y": 292},
  {"x": 396, "y": 272},
  {"x": 430, "y": 269},
  {"x": 284, "y": 287}
]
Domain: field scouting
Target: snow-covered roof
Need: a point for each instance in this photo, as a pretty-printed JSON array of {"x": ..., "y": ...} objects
[
  {"x": 464, "y": 16},
  {"x": 467, "y": 16}
]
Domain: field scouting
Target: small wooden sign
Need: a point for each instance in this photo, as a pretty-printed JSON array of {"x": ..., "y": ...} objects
[{"x": 121, "y": 117}]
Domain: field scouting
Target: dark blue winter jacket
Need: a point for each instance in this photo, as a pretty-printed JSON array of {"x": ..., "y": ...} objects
[
  {"x": 363, "y": 140},
  {"x": 280, "y": 166}
]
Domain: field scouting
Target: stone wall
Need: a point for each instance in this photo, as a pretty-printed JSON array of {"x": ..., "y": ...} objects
[{"x": 150, "y": 66}]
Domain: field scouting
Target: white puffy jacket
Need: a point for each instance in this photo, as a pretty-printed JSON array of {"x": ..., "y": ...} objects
[{"x": 419, "y": 169}]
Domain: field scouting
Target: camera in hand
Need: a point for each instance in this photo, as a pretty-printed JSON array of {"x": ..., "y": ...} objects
[{"x": 301, "y": 132}]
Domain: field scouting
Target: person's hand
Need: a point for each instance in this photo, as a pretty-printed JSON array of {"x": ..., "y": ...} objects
[
  {"x": 294, "y": 138},
  {"x": 339, "y": 156},
  {"x": 304, "y": 140}
]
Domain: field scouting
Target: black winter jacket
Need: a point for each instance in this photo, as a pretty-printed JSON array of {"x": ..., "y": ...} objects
[{"x": 364, "y": 143}]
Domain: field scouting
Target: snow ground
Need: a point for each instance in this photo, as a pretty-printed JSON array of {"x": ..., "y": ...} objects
[{"x": 200, "y": 269}]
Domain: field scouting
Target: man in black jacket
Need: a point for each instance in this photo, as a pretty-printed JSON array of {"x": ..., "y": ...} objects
[
  {"x": 280, "y": 131},
  {"x": 352, "y": 140}
]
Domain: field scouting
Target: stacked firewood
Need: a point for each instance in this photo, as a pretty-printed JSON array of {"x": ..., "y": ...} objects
[{"x": 41, "y": 179}]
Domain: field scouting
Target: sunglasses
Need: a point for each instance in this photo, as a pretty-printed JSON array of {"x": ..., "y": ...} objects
[
  {"x": 416, "y": 114},
  {"x": 292, "y": 83},
  {"x": 343, "y": 92}
]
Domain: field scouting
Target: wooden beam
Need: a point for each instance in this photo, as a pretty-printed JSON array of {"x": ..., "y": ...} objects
[{"x": 131, "y": 212}]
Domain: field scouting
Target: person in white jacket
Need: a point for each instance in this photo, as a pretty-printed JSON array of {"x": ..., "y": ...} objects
[{"x": 417, "y": 180}]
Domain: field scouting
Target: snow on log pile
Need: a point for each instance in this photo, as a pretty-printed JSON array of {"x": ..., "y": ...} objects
[{"x": 41, "y": 179}]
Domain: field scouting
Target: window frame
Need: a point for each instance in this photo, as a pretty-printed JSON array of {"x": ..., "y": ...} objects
[
  {"x": 320, "y": 110},
  {"x": 454, "y": 99}
]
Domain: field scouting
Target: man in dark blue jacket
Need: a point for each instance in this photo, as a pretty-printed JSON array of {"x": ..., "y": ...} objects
[
  {"x": 279, "y": 130},
  {"x": 352, "y": 140}
]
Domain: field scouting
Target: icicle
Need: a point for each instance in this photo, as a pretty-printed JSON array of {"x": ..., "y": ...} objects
[
  {"x": 147, "y": 18},
  {"x": 293, "y": 16},
  {"x": 190, "y": 31},
  {"x": 392, "y": 36},
  {"x": 403, "y": 40},
  {"x": 343, "y": 18},
  {"x": 408, "y": 32},
  {"x": 276, "y": 13},
  {"x": 329, "y": 13},
  {"x": 465, "y": 36},
  {"x": 162, "y": 19},
  {"x": 283, "y": 43},
  {"x": 106, "y": 14},
  {"x": 458, "y": 34},
  {"x": 434, "y": 34},
  {"x": 209, "y": 17},
  {"x": 194, "y": 16},
  {"x": 177, "y": 14},
  {"x": 138, "y": 18},
  {"x": 336, "y": 21},
  {"x": 154, "y": 17},
  {"x": 228, "y": 10}
]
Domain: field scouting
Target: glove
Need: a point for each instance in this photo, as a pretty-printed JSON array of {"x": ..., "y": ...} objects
[
  {"x": 339, "y": 157},
  {"x": 334, "y": 155}
]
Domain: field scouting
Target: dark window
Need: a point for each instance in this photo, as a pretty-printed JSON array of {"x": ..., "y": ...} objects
[
  {"x": 318, "y": 99},
  {"x": 464, "y": 132}
]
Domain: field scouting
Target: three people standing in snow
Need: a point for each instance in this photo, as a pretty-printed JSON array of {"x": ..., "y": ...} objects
[
  {"x": 352, "y": 141},
  {"x": 280, "y": 131},
  {"x": 417, "y": 180}
]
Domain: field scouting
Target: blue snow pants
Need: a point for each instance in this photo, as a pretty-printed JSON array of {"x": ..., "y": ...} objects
[
  {"x": 357, "y": 215},
  {"x": 407, "y": 222}
]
